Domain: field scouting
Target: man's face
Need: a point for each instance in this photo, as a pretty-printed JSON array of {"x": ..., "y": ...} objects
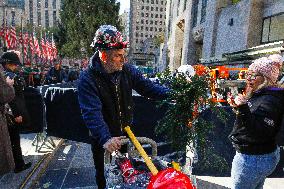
[
  {"x": 12, "y": 67},
  {"x": 57, "y": 66},
  {"x": 114, "y": 60}
]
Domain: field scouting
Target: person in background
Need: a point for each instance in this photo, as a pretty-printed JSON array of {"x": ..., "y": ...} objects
[
  {"x": 105, "y": 95},
  {"x": 19, "y": 116},
  {"x": 7, "y": 94},
  {"x": 56, "y": 74},
  {"x": 258, "y": 120}
]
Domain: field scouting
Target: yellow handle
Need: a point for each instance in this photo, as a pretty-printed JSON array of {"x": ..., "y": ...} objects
[{"x": 141, "y": 150}]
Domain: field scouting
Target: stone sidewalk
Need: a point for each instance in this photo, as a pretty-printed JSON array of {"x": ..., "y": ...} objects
[{"x": 20, "y": 180}]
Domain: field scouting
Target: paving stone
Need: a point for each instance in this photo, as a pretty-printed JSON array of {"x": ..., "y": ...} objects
[{"x": 80, "y": 177}]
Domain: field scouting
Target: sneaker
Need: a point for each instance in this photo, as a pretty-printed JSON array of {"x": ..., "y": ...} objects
[{"x": 24, "y": 167}]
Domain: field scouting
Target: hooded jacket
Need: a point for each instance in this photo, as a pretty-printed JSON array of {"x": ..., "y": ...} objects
[
  {"x": 106, "y": 98},
  {"x": 258, "y": 122}
]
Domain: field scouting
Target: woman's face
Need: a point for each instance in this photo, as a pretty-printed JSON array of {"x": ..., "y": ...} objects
[{"x": 253, "y": 80}]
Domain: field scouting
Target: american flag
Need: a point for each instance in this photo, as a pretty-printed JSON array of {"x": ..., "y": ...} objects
[
  {"x": 13, "y": 38},
  {"x": 54, "y": 49},
  {"x": 21, "y": 38},
  {"x": 36, "y": 47},
  {"x": 43, "y": 48},
  {"x": 31, "y": 42},
  {"x": 25, "y": 46},
  {"x": 7, "y": 37}
]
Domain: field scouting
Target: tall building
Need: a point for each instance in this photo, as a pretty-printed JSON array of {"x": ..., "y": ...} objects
[
  {"x": 44, "y": 13},
  {"x": 125, "y": 23},
  {"x": 219, "y": 32},
  {"x": 12, "y": 11},
  {"x": 147, "y": 22}
]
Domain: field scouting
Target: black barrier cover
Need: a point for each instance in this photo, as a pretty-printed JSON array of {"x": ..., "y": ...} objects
[
  {"x": 63, "y": 115},
  {"x": 64, "y": 120},
  {"x": 35, "y": 107}
]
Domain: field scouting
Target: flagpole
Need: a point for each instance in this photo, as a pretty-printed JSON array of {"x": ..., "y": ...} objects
[
  {"x": 5, "y": 24},
  {"x": 23, "y": 56}
]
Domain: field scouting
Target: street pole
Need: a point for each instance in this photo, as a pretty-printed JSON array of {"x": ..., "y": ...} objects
[
  {"x": 23, "y": 56},
  {"x": 4, "y": 25}
]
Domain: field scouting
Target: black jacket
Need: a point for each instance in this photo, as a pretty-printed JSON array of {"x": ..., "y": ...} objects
[
  {"x": 18, "y": 104},
  {"x": 258, "y": 122}
]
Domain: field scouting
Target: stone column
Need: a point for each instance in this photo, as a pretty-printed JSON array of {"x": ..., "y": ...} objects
[
  {"x": 172, "y": 36},
  {"x": 211, "y": 22},
  {"x": 189, "y": 46},
  {"x": 254, "y": 23}
]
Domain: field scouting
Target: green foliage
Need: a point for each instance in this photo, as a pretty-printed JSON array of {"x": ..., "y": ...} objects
[
  {"x": 184, "y": 96},
  {"x": 79, "y": 21}
]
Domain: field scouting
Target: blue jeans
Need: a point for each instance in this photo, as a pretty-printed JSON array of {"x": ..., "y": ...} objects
[{"x": 250, "y": 171}]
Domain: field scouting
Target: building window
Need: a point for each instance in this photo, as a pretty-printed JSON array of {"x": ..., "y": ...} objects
[
  {"x": 46, "y": 4},
  {"x": 152, "y": 2},
  {"x": 38, "y": 4},
  {"x": 39, "y": 18},
  {"x": 157, "y": 16},
  {"x": 156, "y": 22},
  {"x": 142, "y": 14},
  {"x": 147, "y": 7},
  {"x": 142, "y": 21},
  {"x": 141, "y": 34},
  {"x": 142, "y": 27},
  {"x": 273, "y": 28},
  {"x": 152, "y": 8},
  {"x": 161, "y": 9},
  {"x": 54, "y": 4},
  {"x": 46, "y": 19},
  {"x": 137, "y": 34},
  {"x": 151, "y": 21},
  {"x": 161, "y": 16},
  {"x": 151, "y": 28},
  {"x": 160, "y": 29},
  {"x": 13, "y": 18},
  {"x": 146, "y": 28},
  {"x": 31, "y": 12},
  {"x": 147, "y": 14},
  {"x": 194, "y": 12},
  {"x": 203, "y": 11},
  {"x": 151, "y": 15},
  {"x": 147, "y": 21},
  {"x": 185, "y": 3},
  {"x": 157, "y": 8},
  {"x": 142, "y": 8},
  {"x": 54, "y": 18},
  {"x": 137, "y": 28}
]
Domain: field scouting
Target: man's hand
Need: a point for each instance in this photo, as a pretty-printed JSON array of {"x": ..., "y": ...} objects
[
  {"x": 19, "y": 119},
  {"x": 113, "y": 144},
  {"x": 10, "y": 81}
]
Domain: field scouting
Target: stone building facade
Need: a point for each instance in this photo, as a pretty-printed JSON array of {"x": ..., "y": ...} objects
[
  {"x": 205, "y": 31},
  {"x": 125, "y": 22},
  {"x": 12, "y": 12},
  {"x": 39, "y": 13},
  {"x": 147, "y": 21},
  {"x": 44, "y": 13}
]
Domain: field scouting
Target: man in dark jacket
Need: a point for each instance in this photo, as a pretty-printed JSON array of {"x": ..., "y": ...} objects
[
  {"x": 105, "y": 95},
  {"x": 19, "y": 117},
  {"x": 56, "y": 74}
]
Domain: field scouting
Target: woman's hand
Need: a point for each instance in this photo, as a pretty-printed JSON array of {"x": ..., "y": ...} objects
[{"x": 236, "y": 101}]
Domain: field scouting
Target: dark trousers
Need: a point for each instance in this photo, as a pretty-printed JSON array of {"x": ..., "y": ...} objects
[
  {"x": 16, "y": 147},
  {"x": 98, "y": 156}
]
